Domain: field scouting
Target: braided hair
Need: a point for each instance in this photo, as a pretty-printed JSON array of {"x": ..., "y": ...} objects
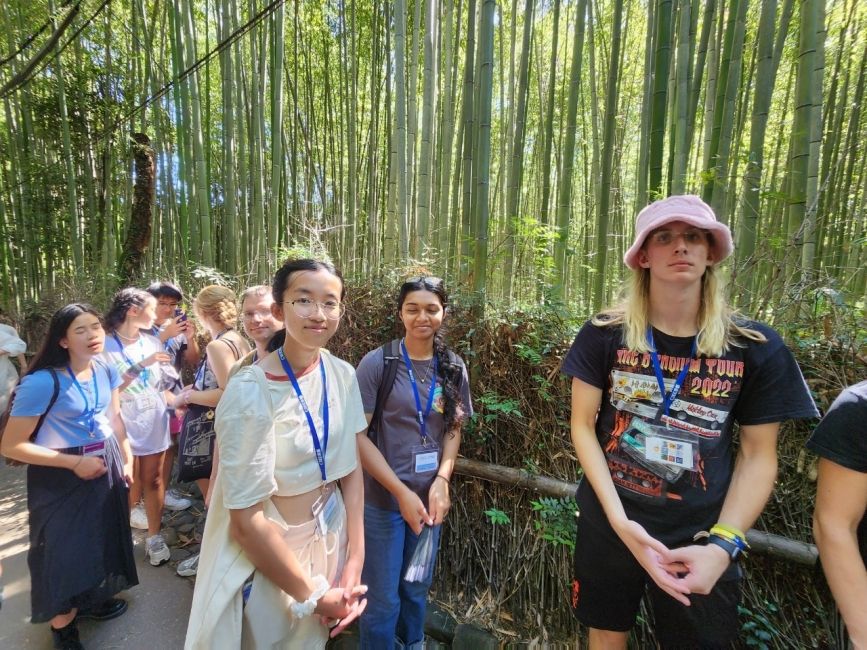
[
  {"x": 121, "y": 303},
  {"x": 449, "y": 374}
]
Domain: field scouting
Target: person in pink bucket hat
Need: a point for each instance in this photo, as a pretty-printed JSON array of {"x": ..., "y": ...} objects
[{"x": 658, "y": 382}]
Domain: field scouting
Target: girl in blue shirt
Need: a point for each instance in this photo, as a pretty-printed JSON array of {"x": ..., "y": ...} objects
[{"x": 79, "y": 463}]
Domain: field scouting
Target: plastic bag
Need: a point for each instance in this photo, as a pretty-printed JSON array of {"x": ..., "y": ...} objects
[{"x": 421, "y": 564}]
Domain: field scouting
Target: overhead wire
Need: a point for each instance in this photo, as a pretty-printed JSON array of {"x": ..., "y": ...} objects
[
  {"x": 199, "y": 63},
  {"x": 82, "y": 27}
]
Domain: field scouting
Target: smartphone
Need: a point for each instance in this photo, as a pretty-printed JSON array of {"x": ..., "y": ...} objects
[{"x": 179, "y": 313}]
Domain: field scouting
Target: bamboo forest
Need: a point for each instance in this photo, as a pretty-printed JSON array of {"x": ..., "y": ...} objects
[{"x": 503, "y": 145}]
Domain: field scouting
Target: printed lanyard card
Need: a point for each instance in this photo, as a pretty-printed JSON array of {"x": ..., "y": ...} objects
[
  {"x": 324, "y": 510},
  {"x": 426, "y": 458},
  {"x": 665, "y": 452},
  {"x": 145, "y": 402}
]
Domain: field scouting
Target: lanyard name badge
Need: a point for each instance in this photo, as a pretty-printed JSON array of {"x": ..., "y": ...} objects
[
  {"x": 678, "y": 448},
  {"x": 325, "y": 507},
  {"x": 145, "y": 374},
  {"x": 426, "y": 455},
  {"x": 89, "y": 412}
]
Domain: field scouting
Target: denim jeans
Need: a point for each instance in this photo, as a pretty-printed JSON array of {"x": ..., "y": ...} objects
[{"x": 395, "y": 608}]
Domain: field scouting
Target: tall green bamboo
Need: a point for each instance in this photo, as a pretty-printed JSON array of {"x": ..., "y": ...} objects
[
  {"x": 483, "y": 152},
  {"x": 602, "y": 215},
  {"x": 545, "y": 163},
  {"x": 276, "y": 195},
  {"x": 662, "y": 61},
  {"x": 468, "y": 122},
  {"x": 516, "y": 163},
  {"x": 425, "y": 168},
  {"x": 682, "y": 81},
  {"x": 808, "y": 250},
  {"x": 750, "y": 197},
  {"x": 400, "y": 125},
  {"x": 73, "y": 221},
  {"x": 567, "y": 162},
  {"x": 801, "y": 126},
  {"x": 230, "y": 206}
]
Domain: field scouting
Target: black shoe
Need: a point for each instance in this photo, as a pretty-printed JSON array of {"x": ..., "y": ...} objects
[
  {"x": 111, "y": 608},
  {"x": 66, "y": 638}
]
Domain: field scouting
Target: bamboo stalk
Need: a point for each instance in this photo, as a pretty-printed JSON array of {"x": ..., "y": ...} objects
[{"x": 761, "y": 542}]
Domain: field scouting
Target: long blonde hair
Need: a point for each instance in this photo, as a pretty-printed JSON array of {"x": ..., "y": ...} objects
[{"x": 718, "y": 329}]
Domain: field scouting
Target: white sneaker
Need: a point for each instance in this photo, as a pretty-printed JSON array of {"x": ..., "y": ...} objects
[
  {"x": 174, "y": 501},
  {"x": 138, "y": 518},
  {"x": 156, "y": 550},
  {"x": 189, "y": 567}
]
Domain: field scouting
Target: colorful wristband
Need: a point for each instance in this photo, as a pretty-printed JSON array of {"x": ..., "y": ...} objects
[
  {"x": 735, "y": 552},
  {"x": 733, "y": 535}
]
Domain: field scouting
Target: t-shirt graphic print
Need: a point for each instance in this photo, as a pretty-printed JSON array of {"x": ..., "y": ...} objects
[{"x": 676, "y": 465}]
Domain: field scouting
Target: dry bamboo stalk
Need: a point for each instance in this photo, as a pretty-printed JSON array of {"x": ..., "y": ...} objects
[{"x": 761, "y": 542}]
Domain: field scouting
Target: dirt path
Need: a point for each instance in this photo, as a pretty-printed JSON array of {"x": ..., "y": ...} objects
[{"x": 158, "y": 606}]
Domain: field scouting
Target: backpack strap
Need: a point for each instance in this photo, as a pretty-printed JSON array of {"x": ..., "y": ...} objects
[
  {"x": 390, "y": 358},
  {"x": 54, "y": 395},
  {"x": 4, "y": 420}
]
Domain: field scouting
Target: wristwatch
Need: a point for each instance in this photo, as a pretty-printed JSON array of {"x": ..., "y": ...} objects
[{"x": 734, "y": 551}]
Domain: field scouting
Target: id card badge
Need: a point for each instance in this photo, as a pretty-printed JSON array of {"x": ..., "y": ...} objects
[
  {"x": 145, "y": 402},
  {"x": 671, "y": 451},
  {"x": 325, "y": 512},
  {"x": 667, "y": 453},
  {"x": 425, "y": 458}
]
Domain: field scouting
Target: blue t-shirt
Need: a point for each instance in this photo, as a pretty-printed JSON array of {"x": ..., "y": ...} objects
[{"x": 67, "y": 423}]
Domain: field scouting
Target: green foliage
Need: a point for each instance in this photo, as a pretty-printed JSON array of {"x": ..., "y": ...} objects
[
  {"x": 493, "y": 406},
  {"x": 497, "y": 517},
  {"x": 209, "y": 275},
  {"x": 556, "y": 520},
  {"x": 757, "y": 629}
]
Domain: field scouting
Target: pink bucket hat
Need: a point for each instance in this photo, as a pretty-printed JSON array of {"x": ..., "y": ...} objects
[{"x": 687, "y": 208}]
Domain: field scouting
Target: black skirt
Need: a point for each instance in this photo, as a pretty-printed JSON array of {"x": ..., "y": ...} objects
[{"x": 81, "y": 550}]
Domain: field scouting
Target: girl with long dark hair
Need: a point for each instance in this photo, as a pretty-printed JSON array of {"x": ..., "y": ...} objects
[
  {"x": 408, "y": 458},
  {"x": 281, "y": 554},
  {"x": 138, "y": 355},
  {"x": 65, "y": 425}
]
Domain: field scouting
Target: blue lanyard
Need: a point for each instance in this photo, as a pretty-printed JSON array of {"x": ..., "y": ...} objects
[
  {"x": 668, "y": 399},
  {"x": 422, "y": 415},
  {"x": 88, "y": 412},
  {"x": 319, "y": 448},
  {"x": 167, "y": 344},
  {"x": 145, "y": 374}
]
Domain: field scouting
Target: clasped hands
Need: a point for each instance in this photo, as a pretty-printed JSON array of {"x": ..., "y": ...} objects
[
  {"x": 341, "y": 605},
  {"x": 692, "y": 569}
]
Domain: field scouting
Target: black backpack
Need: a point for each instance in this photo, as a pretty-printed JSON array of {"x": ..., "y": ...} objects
[{"x": 391, "y": 357}]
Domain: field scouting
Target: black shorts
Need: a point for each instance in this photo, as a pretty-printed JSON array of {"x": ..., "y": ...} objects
[{"x": 609, "y": 584}]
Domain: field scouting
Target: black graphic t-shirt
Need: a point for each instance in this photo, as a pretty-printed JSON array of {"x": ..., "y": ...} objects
[
  {"x": 672, "y": 469},
  {"x": 841, "y": 437}
]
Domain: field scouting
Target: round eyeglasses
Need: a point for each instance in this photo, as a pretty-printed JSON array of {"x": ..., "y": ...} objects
[{"x": 306, "y": 308}]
